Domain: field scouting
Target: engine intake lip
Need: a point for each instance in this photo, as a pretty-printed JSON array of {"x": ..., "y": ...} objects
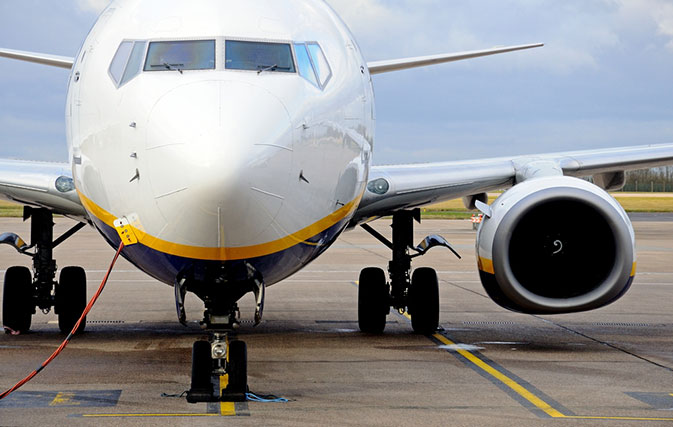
[{"x": 606, "y": 283}]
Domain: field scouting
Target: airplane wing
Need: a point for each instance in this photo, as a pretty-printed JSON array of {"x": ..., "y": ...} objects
[
  {"x": 41, "y": 185},
  {"x": 392, "y": 188},
  {"x": 38, "y": 58},
  {"x": 379, "y": 67}
]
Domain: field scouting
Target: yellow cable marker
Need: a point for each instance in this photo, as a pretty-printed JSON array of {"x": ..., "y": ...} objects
[{"x": 125, "y": 231}]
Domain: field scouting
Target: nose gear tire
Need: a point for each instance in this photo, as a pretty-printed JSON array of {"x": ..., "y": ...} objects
[
  {"x": 238, "y": 366},
  {"x": 202, "y": 366}
]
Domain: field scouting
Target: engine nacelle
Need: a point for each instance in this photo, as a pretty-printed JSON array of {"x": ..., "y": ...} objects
[{"x": 556, "y": 245}]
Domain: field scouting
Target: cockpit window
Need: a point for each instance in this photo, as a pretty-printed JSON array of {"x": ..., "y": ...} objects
[
  {"x": 259, "y": 56},
  {"x": 127, "y": 62},
  {"x": 181, "y": 55},
  {"x": 119, "y": 61},
  {"x": 322, "y": 68},
  {"x": 312, "y": 63},
  {"x": 304, "y": 63},
  {"x": 135, "y": 63}
]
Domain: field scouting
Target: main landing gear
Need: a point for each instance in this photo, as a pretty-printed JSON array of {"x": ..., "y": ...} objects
[
  {"x": 416, "y": 294},
  {"x": 23, "y": 292}
]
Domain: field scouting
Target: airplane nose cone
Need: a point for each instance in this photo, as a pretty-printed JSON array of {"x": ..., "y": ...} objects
[{"x": 218, "y": 158}]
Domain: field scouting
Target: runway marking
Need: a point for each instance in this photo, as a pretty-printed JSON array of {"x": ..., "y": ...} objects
[
  {"x": 658, "y": 401},
  {"x": 63, "y": 399},
  {"x": 213, "y": 409},
  {"x": 526, "y": 394},
  {"x": 497, "y": 376},
  {"x": 227, "y": 409}
]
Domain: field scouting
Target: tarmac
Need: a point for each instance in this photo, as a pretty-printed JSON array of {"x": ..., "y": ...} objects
[{"x": 486, "y": 366}]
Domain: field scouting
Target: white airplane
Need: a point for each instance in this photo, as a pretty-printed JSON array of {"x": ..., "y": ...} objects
[{"x": 231, "y": 142}]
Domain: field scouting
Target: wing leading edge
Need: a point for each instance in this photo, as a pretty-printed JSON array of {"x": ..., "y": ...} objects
[
  {"x": 379, "y": 67},
  {"x": 38, "y": 58},
  {"x": 410, "y": 186}
]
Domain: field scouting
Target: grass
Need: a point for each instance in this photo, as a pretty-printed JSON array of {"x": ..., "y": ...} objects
[
  {"x": 10, "y": 210},
  {"x": 646, "y": 204},
  {"x": 454, "y": 209}
]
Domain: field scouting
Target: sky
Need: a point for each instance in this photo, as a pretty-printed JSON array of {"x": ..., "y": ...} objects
[{"x": 603, "y": 79}]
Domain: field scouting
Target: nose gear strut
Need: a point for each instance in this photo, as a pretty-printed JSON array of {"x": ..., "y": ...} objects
[{"x": 220, "y": 357}]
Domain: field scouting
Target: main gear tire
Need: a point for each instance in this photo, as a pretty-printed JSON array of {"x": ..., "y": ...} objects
[{"x": 424, "y": 301}]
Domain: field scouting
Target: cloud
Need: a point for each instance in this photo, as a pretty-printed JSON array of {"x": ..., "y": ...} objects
[
  {"x": 92, "y": 5},
  {"x": 579, "y": 36},
  {"x": 399, "y": 28},
  {"x": 649, "y": 13},
  {"x": 663, "y": 16},
  {"x": 392, "y": 29}
]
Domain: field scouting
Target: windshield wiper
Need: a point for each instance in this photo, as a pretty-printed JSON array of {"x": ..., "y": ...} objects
[
  {"x": 172, "y": 67},
  {"x": 266, "y": 68}
]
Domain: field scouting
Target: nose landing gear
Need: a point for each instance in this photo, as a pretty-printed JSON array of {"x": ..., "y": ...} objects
[
  {"x": 216, "y": 359},
  {"x": 220, "y": 365}
]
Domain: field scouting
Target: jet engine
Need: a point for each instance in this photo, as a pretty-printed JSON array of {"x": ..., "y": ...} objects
[{"x": 555, "y": 245}]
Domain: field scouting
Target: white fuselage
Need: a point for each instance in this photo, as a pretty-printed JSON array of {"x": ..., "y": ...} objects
[{"x": 221, "y": 165}]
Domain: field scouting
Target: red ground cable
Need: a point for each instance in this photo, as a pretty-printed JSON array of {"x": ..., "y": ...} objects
[{"x": 70, "y": 335}]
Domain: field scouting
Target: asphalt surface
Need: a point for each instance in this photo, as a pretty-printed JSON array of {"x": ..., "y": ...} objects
[
  {"x": 613, "y": 366},
  {"x": 651, "y": 217}
]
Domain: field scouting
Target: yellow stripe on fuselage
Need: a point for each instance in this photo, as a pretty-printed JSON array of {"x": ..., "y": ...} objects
[{"x": 226, "y": 254}]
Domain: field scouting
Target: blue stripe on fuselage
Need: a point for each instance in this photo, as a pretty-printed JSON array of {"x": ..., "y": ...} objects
[{"x": 273, "y": 267}]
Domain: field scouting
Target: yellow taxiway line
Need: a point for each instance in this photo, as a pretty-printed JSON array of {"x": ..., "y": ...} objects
[
  {"x": 147, "y": 415},
  {"x": 227, "y": 409},
  {"x": 522, "y": 391},
  {"x": 513, "y": 385}
]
